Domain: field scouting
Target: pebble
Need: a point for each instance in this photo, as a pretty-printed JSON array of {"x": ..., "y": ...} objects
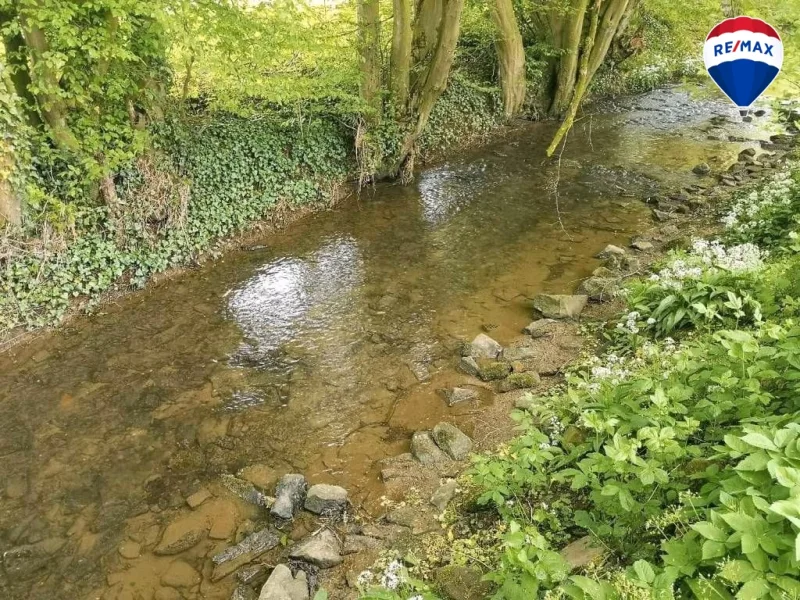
[
  {"x": 198, "y": 498},
  {"x": 129, "y": 550}
]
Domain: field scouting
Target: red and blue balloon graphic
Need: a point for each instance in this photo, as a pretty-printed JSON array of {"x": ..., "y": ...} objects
[{"x": 743, "y": 55}]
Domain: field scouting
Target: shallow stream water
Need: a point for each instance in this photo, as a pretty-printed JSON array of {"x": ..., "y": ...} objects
[{"x": 320, "y": 350}]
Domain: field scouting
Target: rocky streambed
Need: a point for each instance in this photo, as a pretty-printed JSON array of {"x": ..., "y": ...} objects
[{"x": 277, "y": 421}]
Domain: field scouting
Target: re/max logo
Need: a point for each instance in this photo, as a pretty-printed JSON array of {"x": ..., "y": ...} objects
[{"x": 743, "y": 46}]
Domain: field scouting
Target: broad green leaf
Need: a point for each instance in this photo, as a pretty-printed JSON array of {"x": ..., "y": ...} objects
[
  {"x": 644, "y": 571},
  {"x": 759, "y": 440},
  {"x": 710, "y": 531},
  {"x": 752, "y": 590},
  {"x": 706, "y": 589}
]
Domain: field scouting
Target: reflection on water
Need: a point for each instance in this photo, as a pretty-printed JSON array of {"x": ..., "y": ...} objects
[{"x": 318, "y": 352}]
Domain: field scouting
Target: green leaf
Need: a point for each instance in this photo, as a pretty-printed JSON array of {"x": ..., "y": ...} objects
[
  {"x": 712, "y": 549},
  {"x": 644, "y": 571},
  {"x": 752, "y": 590},
  {"x": 707, "y": 589},
  {"x": 321, "y": 595},
  {"x": 710, "y": 531},
  {"x": 759, "y": 440}
]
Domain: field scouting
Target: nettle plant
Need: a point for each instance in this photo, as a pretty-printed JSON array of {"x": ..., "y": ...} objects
[{"x": 647, "y": 457}]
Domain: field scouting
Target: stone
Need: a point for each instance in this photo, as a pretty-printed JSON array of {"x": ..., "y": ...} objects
[
  {"x": 24, "y": 562},
  {"x": 760, "y": 112},
  {"x": 746, "y": 154},
  {"x": 560, "y": 306},
  {"x": 129, "y": 550},
  {"x": 327, "y": 500},
  {"x": 224, "y": 524},
  {"x": 444, "y": 493},
  {"x": 527, "y": 402},
  {"x": 290, "y": 493},
  {"x": 411, "y": 517},
  {"x": 198, "y": 498},
  {"x": 180, "y": 574},
  {"x": 322, "y": 550},
  {"x": 425, "y": 449},
  {"x": 244, "y": 592},
  {"x": 246, "y": 551},
  {"x": 641, "y": 245},
  {"x": 454, "y": 442},
  {"x": 462, "y": 583},
  {"x": 599, "y": 289},
  {"x": 661, "y": 216},
  {"x": 255, "y": 575},
  {"x": 245, "y": 490},
  {"x": 493, "y": 370},
  {"x": 520, "y": 381},
  {"x": 281, "y": 585},
  {"x": 358, "y": 543},
  {"x": 610, "y": 250},
  {"x": 701, "y": 169},
  {"x": 181, "y": 535},
  {"x": 167, "y": 593},
  {"x": 581, "y": 553},
  {"x": 517, "y": 354},
  {"x": 457, "y": 395},
  {"x": 484, "y": 347},
  {"x": 261, "y": 476},
  {"x": 469, "y": 366},
  {"x": 16, "y": 487},
  {"x": 540, "y": 328}
]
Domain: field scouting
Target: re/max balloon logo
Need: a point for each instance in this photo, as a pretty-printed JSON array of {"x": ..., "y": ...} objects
[{"x": 743, "y": 56}]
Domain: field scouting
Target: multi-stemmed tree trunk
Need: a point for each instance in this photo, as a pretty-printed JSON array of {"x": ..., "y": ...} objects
[
  {"x": 369, "y": 30},
  {"x": 510, "y": 56},
  {"x": 402, "y": 39}
]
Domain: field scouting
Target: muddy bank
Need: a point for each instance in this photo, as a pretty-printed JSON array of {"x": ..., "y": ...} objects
[{"x": 318, "y": 351}]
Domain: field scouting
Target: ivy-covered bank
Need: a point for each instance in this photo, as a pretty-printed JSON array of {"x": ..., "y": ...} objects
[
  {"x": 673, "y": 452},
  {"x": 207, "y": 178}
]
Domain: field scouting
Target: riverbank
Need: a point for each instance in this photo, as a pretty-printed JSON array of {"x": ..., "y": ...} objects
[{"x": 610, "y": 486}]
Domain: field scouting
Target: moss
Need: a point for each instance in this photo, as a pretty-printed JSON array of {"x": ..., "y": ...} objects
[
  {"x": 520, "y": 381},
  {"x": 493, "y": 370}
]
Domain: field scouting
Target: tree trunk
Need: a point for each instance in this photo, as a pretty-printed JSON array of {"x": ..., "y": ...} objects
[
  {"x": 46, "y": 85},
  {"x": 583, "y": 80},
  {"x": 401, "y": 52},
  {"x": 436, "y": 75},
  {"x": 16, "y": 58},
  {"x": 606, "y": 32},
  {"x": 369, "y": 23},
  {"x": 427, "y": 19},
  {"x": 569, "y": 36},
  {"x": 511, "y": 56}
]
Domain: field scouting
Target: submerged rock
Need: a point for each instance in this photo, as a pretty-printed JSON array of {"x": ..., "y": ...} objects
[
  {"x": 244, "y": 592},
  {"x": 469, "y": 366},
  {"x": 610, "y": 250},
  {"x": 181, "y": 535},
  {"x": 425, "y": 449},
  {"x": 641, "y": 245},
  {"x": 661, "y": 216},
  {"x": 245, "y": 490},
  {"x": 180, "y": 574},
  {"x": 289, "y": 496},
  {"x": 282, "y": 585},
  {"x": 246, "y": 551},
  {"x": 560, "y": 306},
  {"x": 24, "y": 562},
  {"x": 327, "y": 500},
  {"x": 485, "y": 347},
  {"x": 457, "y": 395},
  {"x": 322, "y": 550},
  {"x": 454, "y": 442}
]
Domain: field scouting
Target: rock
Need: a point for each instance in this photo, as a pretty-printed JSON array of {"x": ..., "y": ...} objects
[
  {"x": 224, "y": 524},
  {"x": 701, "y": 169},
  {"x": 245, "y": 490},
  {"x": 327, "y": 500},
  {"x": 760, "y": 112},
  {"x": 255, "y": 575},
  {"x": 129, "y": 550},
  {"x": 484, "y": 347},
  {"x": 261, "y": 476},
  {"x": 527, "y": 402},
  {"x": 180, "y": 575},
  {"x": 746, "y": 154},
  {"x": 599, "y": 289},
  {"x": 281, "y": 585},
  {"x": 661, "y": 216},
  {"x": 462, "y": 583},
  {"x": 23, "y": 562},
  {"x": 16, "y": 487},
  {"x": 641, "y": 245},
  {"x": 198, "y": 498},
  {"x": 540, "y": 328},
  {"x": 244, "y": 592},
  {"x": 469, "y": 366},
  {"x": 493, "y": 370},
  {"x": 610, "y": 250},
  {"x": 322, "y": 550},
  {"x": 425, "y": 449},
  {"x": 560, "y": 306},
  {"x": 459, "y": 394},
  {"x": 246, "y": 551},
  {"x": 747, "y": 119},
  {"x": 442, "y": 496},
  {"x": 520, "y": 353},
  {"x": 181, "y": 535},
  {"x": 358, "y": 543},
  {"x": 418, "y": 521},
  {"x": 626, "y": 264},
  {"x": 520, "y": 381},
  {"x": 581, "y": 552},
  {"x": 289, "y": 496},
  {"x": 454, "y": 442}
]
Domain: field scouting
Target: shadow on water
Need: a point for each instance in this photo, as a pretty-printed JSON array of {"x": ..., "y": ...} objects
[{"x": 318, "y": 352}]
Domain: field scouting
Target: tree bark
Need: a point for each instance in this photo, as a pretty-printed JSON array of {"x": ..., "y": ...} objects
[
  {"x": 369, "y": 48},
  {"x": 568, "y": 40},
  {"x": 401, "y": 52},
  {"x": 511, "y": 56},
  {"x": 46, "y": 83},
  {"x": 16, "y": 58},
  {"x": 10, "y": 204},
  {"x": 427, "y": 19},
  {"x": 606, "y": 32}
]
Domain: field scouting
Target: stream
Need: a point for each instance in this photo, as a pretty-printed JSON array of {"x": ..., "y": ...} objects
[{"x": 317, "y": 350}]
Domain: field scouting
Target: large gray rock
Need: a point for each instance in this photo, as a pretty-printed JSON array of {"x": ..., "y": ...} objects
[
  {"x": 560, "y": 306},
  {"x": 454, "y": 442},
  {"x": 24, "y": 562},
  {"x": 246, "y": 551},
  {"x": 282, "y": 586},
  {"x": 540, "y": 328},
  {"x": 322, "y": 550},
  {"x": 425, "y": 449},
  {"x": 469, "y": 366},
  {"x": 701, "y": 169},
  {"x": 245, "y": 490},
  {"x": 442, "y": 496},
  {"x": 599, "y": 289},
  {"x": 484, "y": 347},
  {"x": 327, "y": 500},
  {"x": 611, "y": 250},
  {"x": 289, "y": 496},
  {"x": 457, "y": 395}
]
